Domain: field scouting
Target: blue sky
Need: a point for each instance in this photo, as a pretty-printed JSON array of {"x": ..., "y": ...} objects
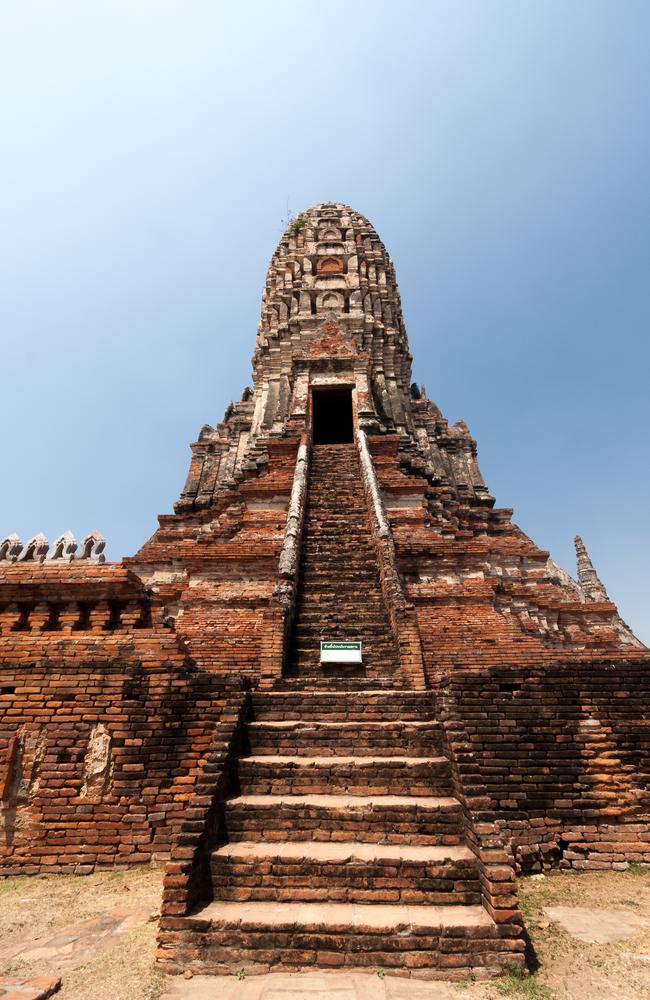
[{"x": 501, "y": 149}]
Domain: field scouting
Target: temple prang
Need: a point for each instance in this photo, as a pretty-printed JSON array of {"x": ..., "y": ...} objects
[{"x": 336, "y": 680}]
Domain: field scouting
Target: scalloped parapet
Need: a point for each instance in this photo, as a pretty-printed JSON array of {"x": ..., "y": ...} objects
[{"x": 63, "y": 549}]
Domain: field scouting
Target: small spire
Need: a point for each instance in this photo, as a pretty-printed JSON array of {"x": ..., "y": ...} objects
[{"x": 592, "y": 587}]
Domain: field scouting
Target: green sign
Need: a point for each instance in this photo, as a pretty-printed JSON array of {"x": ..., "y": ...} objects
[{"x": 340, "y": 645}]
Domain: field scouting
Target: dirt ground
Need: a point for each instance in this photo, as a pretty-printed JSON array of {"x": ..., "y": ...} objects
[
  {"x": 98, "y": 933},
  {"x": 570, "y": 968}
]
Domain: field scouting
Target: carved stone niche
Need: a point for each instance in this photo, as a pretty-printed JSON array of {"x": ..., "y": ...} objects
[
  {"x": 329, "y": 265},
  {"x": 329, "y": 301},
  {"x": 329, "y": 233}
]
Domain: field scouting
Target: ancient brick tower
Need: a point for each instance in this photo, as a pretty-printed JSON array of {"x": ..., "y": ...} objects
[{"x": 311, "y": 810}]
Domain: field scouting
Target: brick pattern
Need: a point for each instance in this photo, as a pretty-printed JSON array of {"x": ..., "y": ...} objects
[
  {"x": 339, "y": 564},
  {"x": 483, "y": 592},
  {"x": 433, "y": 880},
  {"x": 216, "y": 572},
  {"x": 128, "y": 732},
  {"x": 235, "y": 940},
  {"x": 339, "y": 826},
  {"x": 330, "y": 305},
  {"x": 558, "y": 757},
  {"x": 102, "y": 735},
  {"x": 202, "y": 822}
]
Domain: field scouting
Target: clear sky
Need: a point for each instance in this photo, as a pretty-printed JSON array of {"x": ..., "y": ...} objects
[{"x": 149, "y": 153}]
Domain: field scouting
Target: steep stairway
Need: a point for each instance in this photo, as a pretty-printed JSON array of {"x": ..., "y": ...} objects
[
  {"x": 345, "y": 846},
  {"x": 339, "y": 593}
]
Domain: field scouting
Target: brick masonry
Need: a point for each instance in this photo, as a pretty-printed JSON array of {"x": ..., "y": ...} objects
[
  {"x": 558, "y": 756},
  {"x": 173, "y": 706}
]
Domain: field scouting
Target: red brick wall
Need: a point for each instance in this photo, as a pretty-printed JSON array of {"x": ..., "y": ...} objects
[
  {"x": 99, "y": 755},
  {"x": 559, "y": 755}
]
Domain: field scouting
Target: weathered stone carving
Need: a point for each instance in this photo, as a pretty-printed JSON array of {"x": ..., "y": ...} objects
[
  {"x": 593, "y": 590},
  {"x": 591, "y": 586},
  {"x": 98, "y": 763},
  {"x": 10, "y": 548},
  {"x": 336, "y": 264},
  {"x": 36, "y": 549},
  {"x": 93, "y": 546},
  {"x": 64, "y": 547},
  {"x": 20, "y": 782}
]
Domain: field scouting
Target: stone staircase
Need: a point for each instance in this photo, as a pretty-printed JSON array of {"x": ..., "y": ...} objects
[
  {"x": 339, "y": 592},
  {"x": 343, "y": 844}
]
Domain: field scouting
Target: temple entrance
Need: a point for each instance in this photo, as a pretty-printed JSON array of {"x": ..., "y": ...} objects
[{"x": 332, "y": 415}]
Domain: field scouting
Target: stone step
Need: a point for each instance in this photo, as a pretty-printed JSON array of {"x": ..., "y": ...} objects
[
  {"x": 385, "y": 819},
  {"x": 342, "y": 600},
  {"x": 310, "y": 612},
  {"x": 318, "y": 607},
  {"x": 354, "y": 775},
  {"x": 345, "y": 872},
  {"x": 378, "y": 669},
  {"x": 339, "y": 738},
  {"x": 351, "y": 531},
  {"x": 381, "y": 654},
  {"x": 378, "y": 657},
  {"x": 310, "y": 635},
  {"x": 353, "y": 520},
  {"x": 327, "y": 587},
  {"x": 326, "y": 511},
  {"x": 340, "y": 533},
  {"x": 376, "y": 705},
  {"x": 313, "y": 605},
  {"x": 321, "y": 579},
  {"x": 323, "y": 503},
  {"x": 437, "y": 941},
  {"x": 350, "y": 564},
  {"x": 307, "y": 646},
  {"x": 339, "y": 682},
  {"x": 327, "y": 530},
  {"x": 312, "y": 615},
  {"x": 318, "y": 566},
  {"x": 377, "y": 629},
  {"x": 324, "y": 598},
  {"x": 295, "y": 682},
  {"x": 311, "y": 609}
]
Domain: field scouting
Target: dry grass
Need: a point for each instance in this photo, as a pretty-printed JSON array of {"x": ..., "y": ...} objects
[
  {"x": 569, "y": 969},
  {"x": 120, "y": 966}
]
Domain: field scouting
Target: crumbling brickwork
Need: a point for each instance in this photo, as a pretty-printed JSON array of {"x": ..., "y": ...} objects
[
  {"x": 175, "y": 706},
  {"x": 559, "y": 756},
  {"x": 104, "y": 720}
]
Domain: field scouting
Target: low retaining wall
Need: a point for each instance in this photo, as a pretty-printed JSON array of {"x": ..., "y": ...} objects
[
  {"x": 558, "y": 756},
  {"x": 98, "y": 760}
]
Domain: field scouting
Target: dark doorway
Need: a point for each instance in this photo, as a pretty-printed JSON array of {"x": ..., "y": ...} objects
[{"x": 332, "y": 415}]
